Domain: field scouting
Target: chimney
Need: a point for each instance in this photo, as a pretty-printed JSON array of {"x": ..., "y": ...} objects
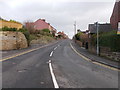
[{"x": 43, "y": 20}]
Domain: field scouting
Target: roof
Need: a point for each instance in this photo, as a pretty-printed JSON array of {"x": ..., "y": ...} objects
[{"x": 102, "y": 28}]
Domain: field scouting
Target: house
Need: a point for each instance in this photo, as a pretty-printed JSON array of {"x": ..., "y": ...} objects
[
  {"x": 115, "y": 17},
  {"x": 40, "y": 24},
  {"x": 10, "y": 24},
  {"x": 62, "y": 35},
  {"x": 92, "y": 29}
]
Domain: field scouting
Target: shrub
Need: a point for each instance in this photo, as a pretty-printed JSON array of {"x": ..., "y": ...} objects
[
  {"x": 8, "y": 29},
  {"x": 46, "y": 30},
  {"x": 26, "y": 33},
  {"x": 111, "y": 40},
  {"x": 77, "y": 36},
  {"x": 108, "y": 39}
]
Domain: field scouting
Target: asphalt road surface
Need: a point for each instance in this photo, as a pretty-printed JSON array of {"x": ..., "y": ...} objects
[{"x": 56, "y": 66}]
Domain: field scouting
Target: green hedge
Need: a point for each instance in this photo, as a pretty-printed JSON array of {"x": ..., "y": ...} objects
[
  {"x": 8, "y": 29},
  {"x": 46, "y": 30},
  {"x": 77, "y": 36},
  {"x": 109, "y": 39}
]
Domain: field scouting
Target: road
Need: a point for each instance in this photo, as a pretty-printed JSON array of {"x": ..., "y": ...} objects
[{"x": 56, "y": 66}]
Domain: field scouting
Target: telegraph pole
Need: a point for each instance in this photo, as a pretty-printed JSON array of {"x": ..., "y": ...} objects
[
  {"x": 75, "y": 27},
  {"x": 97, "y": 27}
]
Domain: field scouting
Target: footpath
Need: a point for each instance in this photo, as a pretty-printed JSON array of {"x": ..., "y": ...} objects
[{"x": 94, "y": 57}]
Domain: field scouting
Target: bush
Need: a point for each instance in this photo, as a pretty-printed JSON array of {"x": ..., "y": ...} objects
[
  {"x": 46, "y": 30},
  {"x": 108, "y": 39},
  {"x": 26, "y": 33},
  {"x": 77, "y": 36},
  {"x": 8, "y": 29}
]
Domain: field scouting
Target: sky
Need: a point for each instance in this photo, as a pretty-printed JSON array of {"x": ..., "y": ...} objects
[{"x": 61, "y": 14}]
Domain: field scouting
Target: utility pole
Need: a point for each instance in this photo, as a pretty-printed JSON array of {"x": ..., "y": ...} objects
[
  {"x": 75, "y": 27},
  {"x": 97, "y": 27}
]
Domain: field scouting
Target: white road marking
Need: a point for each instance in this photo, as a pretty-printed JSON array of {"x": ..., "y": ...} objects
[
  {"x": 55, "y": 48},
  {"x": 51, "y": 54},
  {"x": 53, "y": 76}
]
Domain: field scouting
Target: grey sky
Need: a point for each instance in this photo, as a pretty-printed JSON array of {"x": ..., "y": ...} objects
[{"x": 60, "y": 13}]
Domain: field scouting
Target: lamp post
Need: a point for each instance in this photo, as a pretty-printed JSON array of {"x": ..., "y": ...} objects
[
  {"x": 97, "y": 27},
  {"x": 75, "y": 27}
]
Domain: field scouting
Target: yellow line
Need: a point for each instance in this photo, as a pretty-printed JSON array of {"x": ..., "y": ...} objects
[
  {"x": 21, "y": 53},
  {"x": 87, "y": 59},
  {"x": 24, "y": 52},
  {"x": 79, "y": 53}
]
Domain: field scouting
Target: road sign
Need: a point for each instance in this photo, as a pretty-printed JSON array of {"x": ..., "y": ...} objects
[{"x": 118, "y": 32}]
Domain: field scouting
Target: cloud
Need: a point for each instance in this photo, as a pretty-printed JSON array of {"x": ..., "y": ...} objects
[{"x": 60, "y": 13}]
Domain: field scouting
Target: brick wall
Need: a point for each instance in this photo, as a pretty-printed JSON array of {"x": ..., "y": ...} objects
[{"x": 115, "y": 18}]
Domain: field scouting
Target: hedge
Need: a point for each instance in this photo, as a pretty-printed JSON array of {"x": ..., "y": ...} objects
[
  {"x": 8, "y": 29},
  {"x": 109, "y": 39}
]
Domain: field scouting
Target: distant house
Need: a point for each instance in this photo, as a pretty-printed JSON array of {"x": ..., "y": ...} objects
[
  {"x": 102, "y": 28},
  {"x": 115, "y": 17},
  {"x": 10, "y": 24},
  {"x": 41, "y": 24},
  {"x": 62, "y": 35}
]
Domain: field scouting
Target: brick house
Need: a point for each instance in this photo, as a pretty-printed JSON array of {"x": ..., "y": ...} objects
[
  {"x": 115, "y": 17},
  {"x": 62, "y": 35},
  {"x": 41, "y": 24}
]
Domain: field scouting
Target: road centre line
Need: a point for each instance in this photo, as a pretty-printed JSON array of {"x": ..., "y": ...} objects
[
  {"x": 55, "y": 48},
  {"x": 97, "y": 63},
  {"x": 53, "y": 75},
  {"x": 51, "y": 54}
]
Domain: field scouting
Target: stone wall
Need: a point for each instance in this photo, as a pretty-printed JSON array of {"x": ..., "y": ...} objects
[
  {"x": 79, "y": 43},
  {"x": 12, "y": 40},
  {"x": 106, "y": 52}
]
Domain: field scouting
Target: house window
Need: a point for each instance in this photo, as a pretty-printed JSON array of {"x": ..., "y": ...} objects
[{"x": 34, "y": 26}]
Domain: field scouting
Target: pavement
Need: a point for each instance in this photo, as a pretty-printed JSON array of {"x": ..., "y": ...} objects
[
  {"x": 94, "y": 57},
  {"x": 56, "y": 66}
]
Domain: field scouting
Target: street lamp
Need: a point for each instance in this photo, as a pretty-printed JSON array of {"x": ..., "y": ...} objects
[
  {"x": 75, "y": 27},
  {"x": 97, "y": 27}
]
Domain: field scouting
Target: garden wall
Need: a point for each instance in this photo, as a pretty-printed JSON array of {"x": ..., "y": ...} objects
[{"x": 12, "y": 40}]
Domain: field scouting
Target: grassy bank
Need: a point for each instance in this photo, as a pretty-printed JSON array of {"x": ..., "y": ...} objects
[
  {"x": 37, "y": 37},
  {"x": 41, "y": 40}
]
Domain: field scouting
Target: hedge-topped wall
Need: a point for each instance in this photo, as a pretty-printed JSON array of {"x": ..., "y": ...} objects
[{"x": 109, "y": 39}]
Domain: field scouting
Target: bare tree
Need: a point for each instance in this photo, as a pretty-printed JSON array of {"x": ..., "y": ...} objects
[{"x": 29, "y": 25}]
